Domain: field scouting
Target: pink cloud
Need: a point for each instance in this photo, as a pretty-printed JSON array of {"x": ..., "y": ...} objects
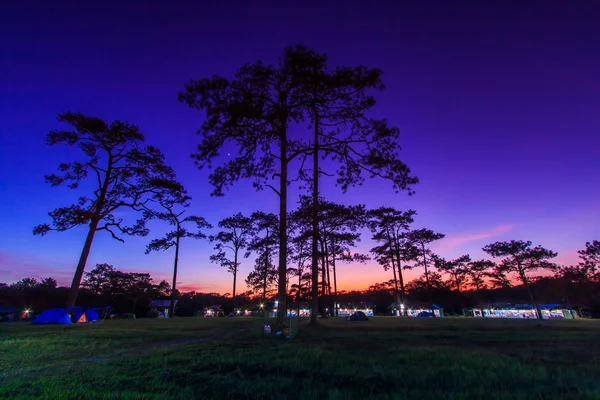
[{"x": 450, "y": 242}]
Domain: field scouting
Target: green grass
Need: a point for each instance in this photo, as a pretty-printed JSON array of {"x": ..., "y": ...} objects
[{"x": 385, "y": 358}]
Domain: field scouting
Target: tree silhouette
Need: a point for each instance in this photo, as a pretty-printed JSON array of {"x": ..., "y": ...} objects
[
  {"x": 339, "y": 232},
  {"x": 172, "y": 211},
  {"x": 456, "y": 268},
  {"x": 256, "y": 110},
  {"x": 421, "y": 238},
  {"x": 477, "y": 271},
  {"x": 499, "y": 278},
  {"x": 521, "y": 258},
  {"x": 236, "y": 233},
  {"x": 575, "y": 273},
  {"x": 264, "y": 241},
  {"x": 26, "y": 284},
  {"x": 590, "y": 259},
  {"x": 124, "y": 175},
  {"x": 300, "y": 254},
  {"x": 106, "y": 280},
  {"x": 433, "y": 281},
  {"x": 337, "y": 103},
  {"x": 338, "y": 227},
  {"x": 388, "y": 227}
]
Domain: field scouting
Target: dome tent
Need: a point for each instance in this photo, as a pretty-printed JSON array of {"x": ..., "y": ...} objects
[
  {"x": 82, "y": 314},
  {"x": 53, "y": 316},
  {"x": 358, "y": 316}
]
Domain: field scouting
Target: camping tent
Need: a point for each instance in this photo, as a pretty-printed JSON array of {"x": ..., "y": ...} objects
[
  {"x": 53, "y": 316},
  {"x": 358, "y": 316},
  {"x": 81, "y": 314}
]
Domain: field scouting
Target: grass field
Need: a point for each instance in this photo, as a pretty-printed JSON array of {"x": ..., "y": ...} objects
[{"x": 385, "y": 358}]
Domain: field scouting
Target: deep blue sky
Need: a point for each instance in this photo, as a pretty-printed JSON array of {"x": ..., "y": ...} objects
[{"x": 498, "y": 103}]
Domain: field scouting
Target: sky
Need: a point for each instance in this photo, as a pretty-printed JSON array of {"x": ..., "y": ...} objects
[{"x": 497, "y": 102}]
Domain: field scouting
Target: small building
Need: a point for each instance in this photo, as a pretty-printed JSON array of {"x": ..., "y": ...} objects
[
  {"x": 298, "y": 309},
  {"x": 214, "y": 311},
  {"x": 347, "y": 309},
  {"x": 523, "y": 311},
  {"x": 417, "y": 310},
  {"x": 242, "y": 312},
  {"x": 294, "y": 309},
  {"x": 162, "y": 306}
]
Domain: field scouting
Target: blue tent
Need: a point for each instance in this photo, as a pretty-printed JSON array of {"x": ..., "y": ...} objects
[
  {"x": 53, "y": 316},
  {"x": 91, "y": 315},
  {"x": 81, "y": 314},
  {"x": 425, "y": 314}
]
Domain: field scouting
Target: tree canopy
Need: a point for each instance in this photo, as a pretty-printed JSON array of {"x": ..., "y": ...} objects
[
  {"x": 519, "y": 257},
  {"x": 124, "y": 175}
]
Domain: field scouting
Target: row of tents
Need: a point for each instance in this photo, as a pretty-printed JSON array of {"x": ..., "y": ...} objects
[{"x": 71, "y": 315}]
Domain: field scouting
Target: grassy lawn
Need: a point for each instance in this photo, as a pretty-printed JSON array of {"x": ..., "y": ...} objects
[{"x": 385, "y": 358}]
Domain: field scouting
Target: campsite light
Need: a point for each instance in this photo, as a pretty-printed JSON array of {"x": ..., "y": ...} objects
[
  {"x": 27, "y": 311},
  {"x": 261, "y": 306}
]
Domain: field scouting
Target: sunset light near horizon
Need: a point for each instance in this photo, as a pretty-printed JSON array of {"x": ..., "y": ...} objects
[{"x": 501, "y": 129}]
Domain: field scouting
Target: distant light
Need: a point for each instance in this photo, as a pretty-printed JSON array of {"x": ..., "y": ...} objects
[
  {"x": 261, "y": 306},
  {"x": 28, "y": 311}
]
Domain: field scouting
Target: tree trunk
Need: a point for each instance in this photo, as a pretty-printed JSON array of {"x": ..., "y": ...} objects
[
  {"x": 74, "y": 291},
  {"x": 328, "y": 272},
  {"x": 530, "y": 292},
  {"x": 174, "y": 285},
  {"x": 395, "y": 277},
  {"x": 334, "y": 287},
  {"x": 135, "y": 300},
  {"x": 299, "y": 285},
  {"x": 324, "y": 281},
  {"x": 282, "y": 295},
  {"x": 399, "y": 265},
  {"x": 235, "y": 266},
  {"x": 402, "y": 290},
  {"x": 266, "y": 266},
  {"x": 426, "y": 271},
  {"x": 315, "y": 230},
  {"x": 393, "y": 262}
]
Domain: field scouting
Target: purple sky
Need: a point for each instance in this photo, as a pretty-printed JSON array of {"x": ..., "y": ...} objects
[{"x": 498, "y": 104}]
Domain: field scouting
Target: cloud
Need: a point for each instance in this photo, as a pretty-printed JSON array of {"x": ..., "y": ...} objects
[
  {"x": 450, "y": 242},
  {"x": 196, "y": 287}
]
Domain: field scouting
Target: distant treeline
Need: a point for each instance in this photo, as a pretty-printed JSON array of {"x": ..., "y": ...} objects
[{"x": 132, "y": 292}]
